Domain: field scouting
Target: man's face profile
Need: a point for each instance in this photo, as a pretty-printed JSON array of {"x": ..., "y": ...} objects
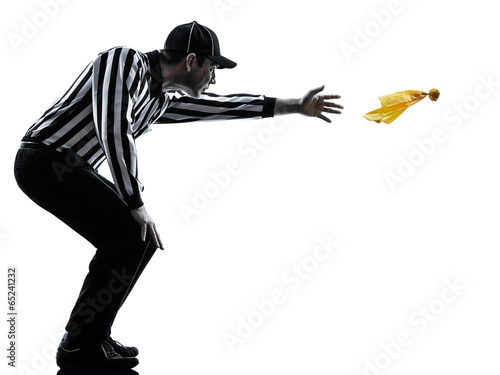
[{"x": 199, "y": 78}]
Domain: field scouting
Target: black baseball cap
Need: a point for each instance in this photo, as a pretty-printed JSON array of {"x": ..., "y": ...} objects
[{"x": 195, "y": 38}]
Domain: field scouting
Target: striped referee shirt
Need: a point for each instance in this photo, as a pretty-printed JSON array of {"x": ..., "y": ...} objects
[{"x": 115, "y": 100}]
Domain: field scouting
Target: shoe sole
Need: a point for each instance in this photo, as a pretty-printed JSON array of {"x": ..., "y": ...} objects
[
  {"x": 118, "y": 364},
  {"x": 94, "y": 370}
]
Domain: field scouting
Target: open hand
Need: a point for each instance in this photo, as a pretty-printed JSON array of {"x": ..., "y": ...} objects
[{"x": 314, "y": 105}]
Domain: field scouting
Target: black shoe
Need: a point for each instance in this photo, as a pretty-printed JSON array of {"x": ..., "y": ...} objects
[
  {"x": 101, "y": 354},
  {"x": 124, "y": 351}
]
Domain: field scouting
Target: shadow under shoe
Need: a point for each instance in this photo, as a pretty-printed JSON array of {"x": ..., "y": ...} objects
[
  {"x": 93, "y": 370},
  {"x": 100, "y": 354}
]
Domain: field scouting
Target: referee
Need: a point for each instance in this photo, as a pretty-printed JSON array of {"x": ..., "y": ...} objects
[{"x": 116, "y": 99}]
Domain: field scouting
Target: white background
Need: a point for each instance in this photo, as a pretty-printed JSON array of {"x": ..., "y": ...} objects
[{"x": 397, "y": 247}]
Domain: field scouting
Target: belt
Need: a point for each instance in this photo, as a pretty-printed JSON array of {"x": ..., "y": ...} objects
[
  {"x": 28, "y": 142},
  {"x": 34, "y": 144}
]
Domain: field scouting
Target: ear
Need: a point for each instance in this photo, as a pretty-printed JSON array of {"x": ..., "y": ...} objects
[{"x": 190, "y": 61}]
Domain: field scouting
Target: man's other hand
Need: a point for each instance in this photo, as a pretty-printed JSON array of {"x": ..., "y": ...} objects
[{"x": 147, "y": 225}]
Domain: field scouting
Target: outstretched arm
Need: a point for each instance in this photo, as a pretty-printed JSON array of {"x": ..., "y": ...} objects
[
  {"x": 311, "y": 104},
  {"x": 213, "y": 107}
]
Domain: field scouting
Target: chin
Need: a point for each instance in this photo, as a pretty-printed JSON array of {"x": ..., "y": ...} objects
[{"x": 194, "y": 94}]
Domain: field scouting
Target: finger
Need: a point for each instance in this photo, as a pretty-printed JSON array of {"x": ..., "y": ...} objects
[
  {"x": 159, "y": 241},
  {"x": 316, "y": 90},
  {"x": 331, "y": 96},
  {"x": 143, "y": 232},
  {"x": 152, "y": 233},
  {"x": 324, "y": 118},
  {"x": 328, "y": 104},
  {"x": 329, "y": 110}
]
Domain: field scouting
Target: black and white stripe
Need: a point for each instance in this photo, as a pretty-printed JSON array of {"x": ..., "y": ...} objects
[
  {"x": 208, "y": 106},
  {"x": 115, "y": 100}
]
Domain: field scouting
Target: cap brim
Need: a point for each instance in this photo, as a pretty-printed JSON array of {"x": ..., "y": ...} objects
[{"x": 223, "y": 62}]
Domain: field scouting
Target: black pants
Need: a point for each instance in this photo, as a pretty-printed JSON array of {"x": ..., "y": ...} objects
[{"x": 72, "y": 190}]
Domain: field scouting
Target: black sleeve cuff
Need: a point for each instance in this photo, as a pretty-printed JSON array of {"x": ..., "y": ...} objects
[
  {"x": 134, "y": 201},
  {"x": 268, "y": 108}
]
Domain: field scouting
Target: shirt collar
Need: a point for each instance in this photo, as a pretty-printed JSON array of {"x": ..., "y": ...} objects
[{"x": 155, "y": 73}]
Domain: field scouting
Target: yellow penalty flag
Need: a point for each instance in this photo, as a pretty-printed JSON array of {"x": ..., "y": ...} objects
[{"x": 393, "y": 105}]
